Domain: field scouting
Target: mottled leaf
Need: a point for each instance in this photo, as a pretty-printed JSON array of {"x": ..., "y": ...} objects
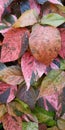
[
  {"x": 52, "y": 83},
  {"x": 7, "y": 92},
  {"x": 52, "y": 19},
  {"x": 4, "y": 96},
  {"x": 11, "y": 123},
  {"x": 12, "y": 44},
  {"x": 29, "y": 126},
  {"x": 11, "y": 75},
  {"x": 28, "y": 18},
  {"x": 62, "y": 64},
  {"x": 28, "y": 97},
  {"x": 62, "y": 51},
  {"x": 29, "y": 66}
]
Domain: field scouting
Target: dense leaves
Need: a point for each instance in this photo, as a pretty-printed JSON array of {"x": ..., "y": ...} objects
[{"x": 32, "y": 91}]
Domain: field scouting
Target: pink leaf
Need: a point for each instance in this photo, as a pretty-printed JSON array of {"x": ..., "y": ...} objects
[
  {"x": 55, "y": 2},
  {"x": 62, "y": 52},
  {"x": 29, "y": 66},
  {"x": 12, "y": 44},
  {"x": 11, "y": 123},
  {"x": 34, "y": 5},
  {"x": 4, "y": 87}
]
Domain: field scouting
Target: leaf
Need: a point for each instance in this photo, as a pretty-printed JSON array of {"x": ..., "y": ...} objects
[
  {"x": 61, "y": 124},
  {"x": 7, "y": 92},
  {"x": 18, "y": 106},
  {"x": 10, "y": 123},
  {"x": 3, "y": 110},
  {"x": 52, "y": 19},
  {"x": 12, "y": 44},
  {"x": 28, "y": 18},
  {"x": 29, "y": 66},
  {"x": 29, "y": 97},
  {"x": 62, "y": 51},
  {"x": 62, "y": 64},
  {"x": 52, "y": 83},
  {"x": 29, "y": 126},
  {"x": 11, "y": 75},
  {"x": 44, "y": 116},
  {"x": 53, "y": 128},
  {"x": 4, "y": 96}
]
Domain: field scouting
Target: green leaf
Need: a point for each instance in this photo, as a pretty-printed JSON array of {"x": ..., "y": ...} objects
[
  {"x": 29, "y": 126},
  {"x": 44, "y": 116},
  {"x": 17, "y": 107},
  {"x": 52, "y": 83},
  {"x": 62, "y": 64},
  {"x": 52, "y": 19}
]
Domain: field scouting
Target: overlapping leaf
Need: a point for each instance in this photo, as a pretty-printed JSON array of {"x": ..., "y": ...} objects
[
  {"x": 12, "y": 44},
  {"x": 28, "y": 18},
  {"x": 10, "y": 123},
  {"x": 32, "y": 69},
  {"x": 54, "y": 81},
  {"x": 11, "y": 75},
  {"x": 52, "y": 19},
  {"x": 7, "y": 92}
]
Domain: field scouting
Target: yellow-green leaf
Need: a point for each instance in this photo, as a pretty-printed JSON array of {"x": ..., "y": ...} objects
[
  {"x": 28, "y": 18},
  {"x": 52, "y": 19}
]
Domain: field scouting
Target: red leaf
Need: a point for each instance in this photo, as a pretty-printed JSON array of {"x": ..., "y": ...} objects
[
  {"x": 34, "y": 5},
  {"x": 11, "y": 123},
  {"x": 30, "y": 65},
  {"x": 4, "y": 87},
  {"x": 12, "y": 44},
  {"x": 62, "y": 52}
]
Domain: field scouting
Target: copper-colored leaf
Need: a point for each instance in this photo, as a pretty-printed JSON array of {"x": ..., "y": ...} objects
[
  {"x": 31, "y": 67},
  {"x": 12, "y": 44},
  {"x": 11, "y": 75},
  {"x": 11, "y": 123},
  {"x": 28, "y": 18}
]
